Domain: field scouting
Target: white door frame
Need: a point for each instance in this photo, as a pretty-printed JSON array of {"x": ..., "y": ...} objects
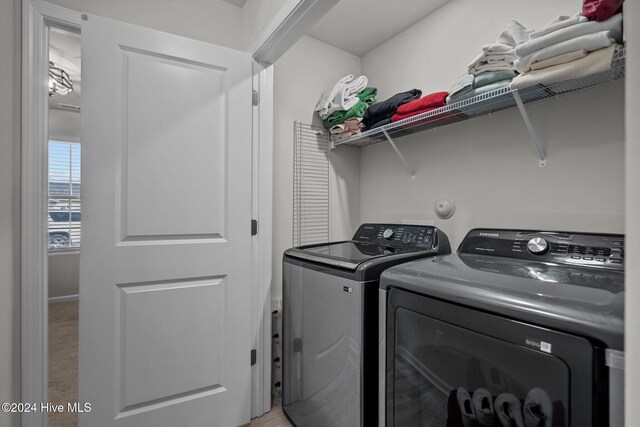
[{"x": 37, "y": 17}]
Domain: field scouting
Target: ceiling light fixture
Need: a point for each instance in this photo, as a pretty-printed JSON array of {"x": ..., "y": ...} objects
[{"x": 59, "y": 81}]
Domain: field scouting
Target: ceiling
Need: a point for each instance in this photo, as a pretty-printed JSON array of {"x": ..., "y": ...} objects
[
  {"x": 64, "y": 52},
  {"x": 359, "y": 26},
  {"x": 238, "y": 3}
]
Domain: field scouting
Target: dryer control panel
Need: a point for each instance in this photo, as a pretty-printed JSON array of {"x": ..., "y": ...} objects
[
  {"x": 581, "y": 249},
  {"x": 398, "y": 235}
]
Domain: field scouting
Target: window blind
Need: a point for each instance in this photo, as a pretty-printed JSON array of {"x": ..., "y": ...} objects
[{"x": 65, "y": 204}]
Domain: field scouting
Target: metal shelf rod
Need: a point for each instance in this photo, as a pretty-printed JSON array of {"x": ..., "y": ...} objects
[
  {"x": 404, "y": 161},
  {"x": 532, "y": 131}
]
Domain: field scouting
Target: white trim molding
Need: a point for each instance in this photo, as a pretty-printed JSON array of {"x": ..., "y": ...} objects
[
  {"x": 262, "y": 201},
  {"x": 291, "y": 22},
  {"x": 64, "y": 298},
  {"x": 37, "y": 17}
]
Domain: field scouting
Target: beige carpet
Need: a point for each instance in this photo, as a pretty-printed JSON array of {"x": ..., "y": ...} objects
[
  {"x": 63, "y": 361},
  {"x": 273, "y": 418}
]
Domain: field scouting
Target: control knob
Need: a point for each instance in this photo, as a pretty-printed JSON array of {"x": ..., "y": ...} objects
[
  {"x": 388, "y": 234},
  {"x": 538, "y": 246}
]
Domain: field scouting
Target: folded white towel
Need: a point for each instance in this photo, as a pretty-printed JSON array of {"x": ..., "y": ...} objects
[
  {"x": 595, "y": 62},
  {"x": 346, "y": 97},
  {"x": 497, "y": 48},
  {"x": 560, "y": 59},
  {"x": 350, "y": 90},
  {"x": 519, "y": 32},
  {"x": 515, "y": 34},
  {"x": 344, "y": 105},
  {"x": 500, "y": 66},
  {"x": 481, "y": 61},
  {"x": 588, "y": 42},
  {"x": 613, "y": 24},
  {"x": 463, "y": 83},
  {"x": 326, "y": 98},
  {"x": 493, "y": 59},
  {"x": 557, "y": 24}
]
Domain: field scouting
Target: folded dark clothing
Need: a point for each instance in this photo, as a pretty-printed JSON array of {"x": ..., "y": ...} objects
[
  {"x": 433, "y": 100},
  {"x": 385, "y": 109},
  {"x": 379, "y": 123}
]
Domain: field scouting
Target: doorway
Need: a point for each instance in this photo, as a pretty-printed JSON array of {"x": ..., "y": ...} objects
[{"x": 64, "y": 213}]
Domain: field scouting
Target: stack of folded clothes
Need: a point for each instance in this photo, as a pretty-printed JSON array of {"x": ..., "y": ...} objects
[
  {"x": 500, "y": 56},
  {"x": 494, "y": 68},
  {"x": 567, "y": 48},
  {"x": 346, "y": 123},
  {"x": 429, "y": 102},
  {"x": 380, "y": 114},
  {"x": 342, "y": 96}
]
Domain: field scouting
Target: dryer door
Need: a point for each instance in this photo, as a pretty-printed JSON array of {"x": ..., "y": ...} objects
[{"x": 442, "y": 357}]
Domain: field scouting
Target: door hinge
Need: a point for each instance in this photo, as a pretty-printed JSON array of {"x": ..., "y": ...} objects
[
  {"x": 254, "y": 357},
  {"x": 254, "y": 227},
  {"x": 255, "y": 98}
]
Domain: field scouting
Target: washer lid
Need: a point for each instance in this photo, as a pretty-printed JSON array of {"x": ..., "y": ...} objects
[
  {"x": 347, "y": 254},
  {"x": 581, "y": 300}
]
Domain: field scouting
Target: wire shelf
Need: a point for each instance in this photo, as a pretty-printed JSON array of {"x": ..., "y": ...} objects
[
  {"x": 487, "y": 103},
  {"x": 310, "y": 185}
]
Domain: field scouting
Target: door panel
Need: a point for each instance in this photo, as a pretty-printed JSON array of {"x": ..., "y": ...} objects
[
  {"x": 160, "y": 162},
  {"x": 164, "y": 266}
]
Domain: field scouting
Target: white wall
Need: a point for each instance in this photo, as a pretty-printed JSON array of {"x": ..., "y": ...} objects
[
  {"x": 632, "y": 297},
  {"x": 64, "y": 271},
  {"x": 300, "y": 76},
  {"x": 10, "y": 208},
  {"x": 64, "y": 125},
  {"x": 257, "y": 14},
  {"x": 488, "y": 165}
]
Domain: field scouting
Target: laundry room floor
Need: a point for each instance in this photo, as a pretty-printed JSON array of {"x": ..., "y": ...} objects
[
  {"x": 63, "y": 360},
  {"x": 273, "y": 418}
]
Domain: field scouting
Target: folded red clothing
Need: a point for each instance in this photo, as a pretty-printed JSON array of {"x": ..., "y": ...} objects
[
  {"x": 601, "y": 10},
  {"x": 433, "y": 100},
  {"x": 397, "y": 117}
]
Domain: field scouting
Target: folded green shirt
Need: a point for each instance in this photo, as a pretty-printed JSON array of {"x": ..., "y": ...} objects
[
  {"x": 368, "y": 95},
  {"x": 342, "y": 116},
  {"x": 479, "y": 91},
  {"x": 489, "y": 77}
]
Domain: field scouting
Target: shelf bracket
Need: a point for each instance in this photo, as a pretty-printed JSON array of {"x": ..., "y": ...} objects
[
  {"x": 532, "y": 132},
  {"x": 412, "y": 172}
]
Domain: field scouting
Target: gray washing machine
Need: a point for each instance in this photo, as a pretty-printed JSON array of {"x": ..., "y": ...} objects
[
  {"x": 515, "y": 329},
  {"x": 330, "y": 321}
]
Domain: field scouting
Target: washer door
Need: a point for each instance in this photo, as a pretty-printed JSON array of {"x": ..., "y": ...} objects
[{"x": 440, "y": 356}]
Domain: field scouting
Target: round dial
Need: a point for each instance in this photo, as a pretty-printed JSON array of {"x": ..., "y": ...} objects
[
  {"x": 538, "y": 246},
  {"x": 388, "y": 234}
]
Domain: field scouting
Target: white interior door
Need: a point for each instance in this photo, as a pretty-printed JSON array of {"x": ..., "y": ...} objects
[{"x": 166, "y": 244}]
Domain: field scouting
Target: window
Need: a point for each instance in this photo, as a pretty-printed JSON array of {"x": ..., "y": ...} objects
[{"x": 64, "y": 195}]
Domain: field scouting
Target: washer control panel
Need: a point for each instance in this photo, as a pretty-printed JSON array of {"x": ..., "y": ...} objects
[
  {"x": 597, "y": 250},
  {"x": 398, "y": 235}
]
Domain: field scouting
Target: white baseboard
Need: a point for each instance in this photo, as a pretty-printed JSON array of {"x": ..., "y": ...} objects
[{"x": 64, "y": 298}]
